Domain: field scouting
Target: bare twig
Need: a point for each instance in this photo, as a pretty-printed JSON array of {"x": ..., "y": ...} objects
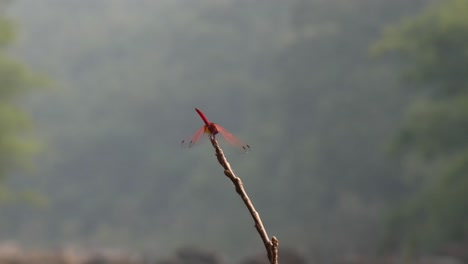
[{"x": 271, "y": 246}]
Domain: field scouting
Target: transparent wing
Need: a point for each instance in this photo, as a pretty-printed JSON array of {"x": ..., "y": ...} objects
[
  {"x": 232, "y": 139},
  {"x": 194, "y": 139}
]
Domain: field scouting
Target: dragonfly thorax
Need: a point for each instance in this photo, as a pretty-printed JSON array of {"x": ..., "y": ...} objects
[{"x": 211, "y": 129}]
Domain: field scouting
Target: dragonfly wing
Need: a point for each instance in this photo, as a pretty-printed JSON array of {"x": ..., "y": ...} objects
[
  {"x": 232, "y": 139},
  {"x": 195, "y": 138}
]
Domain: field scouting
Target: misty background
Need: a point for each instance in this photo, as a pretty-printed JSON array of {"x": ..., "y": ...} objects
[{"x": 322, "y": 91}]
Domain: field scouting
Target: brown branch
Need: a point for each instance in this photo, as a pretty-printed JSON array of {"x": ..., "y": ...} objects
[{"x": 271, "y": 246}]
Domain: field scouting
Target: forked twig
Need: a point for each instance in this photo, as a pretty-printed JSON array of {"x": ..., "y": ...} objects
[{"x": 271, "y": 246}]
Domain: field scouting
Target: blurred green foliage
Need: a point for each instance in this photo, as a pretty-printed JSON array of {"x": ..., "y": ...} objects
[
  {"x": 15, "y": 80},
  {"x": 433, "y": 47}
]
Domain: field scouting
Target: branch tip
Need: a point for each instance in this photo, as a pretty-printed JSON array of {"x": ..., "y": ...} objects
[{"x": 271, "y": 246}]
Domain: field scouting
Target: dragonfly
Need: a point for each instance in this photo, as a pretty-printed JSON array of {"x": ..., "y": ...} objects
[{"x": 213, "y": 129}]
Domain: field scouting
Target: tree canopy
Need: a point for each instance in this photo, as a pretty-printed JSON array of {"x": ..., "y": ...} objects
[
  {"x": 433, "y": 49},
  {"x": 15, "y": 81}
]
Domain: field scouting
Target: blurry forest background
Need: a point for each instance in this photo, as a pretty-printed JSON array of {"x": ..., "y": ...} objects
[{"x": 356, "y": 112}]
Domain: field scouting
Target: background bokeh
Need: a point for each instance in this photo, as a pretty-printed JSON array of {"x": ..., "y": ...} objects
[{"x": 356, "y": 112}]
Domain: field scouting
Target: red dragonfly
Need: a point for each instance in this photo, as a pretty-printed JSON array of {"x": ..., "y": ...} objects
[{"x": 213, "y": 129}]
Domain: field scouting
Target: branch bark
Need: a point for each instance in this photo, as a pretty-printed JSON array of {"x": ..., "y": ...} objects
[{"x": 271, "y": 246}]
